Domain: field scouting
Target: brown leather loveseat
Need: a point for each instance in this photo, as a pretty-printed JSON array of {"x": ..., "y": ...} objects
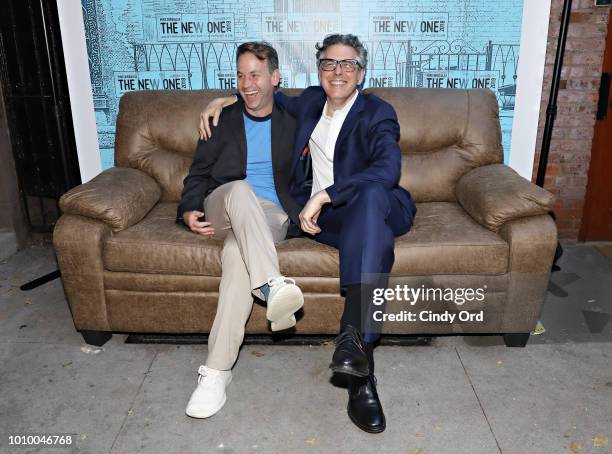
[{"x": 127, "y": 267}]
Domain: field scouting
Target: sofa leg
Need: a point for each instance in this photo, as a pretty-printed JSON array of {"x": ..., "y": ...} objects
[
  {"x": 516, "y": 339},
  {"x": 97, "y": 338}
]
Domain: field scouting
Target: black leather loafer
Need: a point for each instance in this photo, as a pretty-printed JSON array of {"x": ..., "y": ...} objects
[
  {"x": 350, "y": 356},
  {"x": 364, "y": 407}
]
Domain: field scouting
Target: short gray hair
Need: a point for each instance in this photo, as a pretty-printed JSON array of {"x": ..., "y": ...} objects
[{"x": 347, "y": 40}]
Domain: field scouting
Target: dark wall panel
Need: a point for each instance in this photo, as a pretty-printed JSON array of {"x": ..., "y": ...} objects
[{"x": 37, "y": 106}]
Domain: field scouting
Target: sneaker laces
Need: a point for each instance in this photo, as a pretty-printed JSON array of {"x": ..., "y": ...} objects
[
  {"x": 280, "y": 280},
  {"x": 205, "y": 372}
]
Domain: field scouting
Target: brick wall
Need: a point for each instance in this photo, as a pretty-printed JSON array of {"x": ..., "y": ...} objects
[{"x": 570, "y": 150}]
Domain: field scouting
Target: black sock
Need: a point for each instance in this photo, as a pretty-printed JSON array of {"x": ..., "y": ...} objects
[
  {"x": 369, "y": 348},
  {"x": 352, "y": 307}
]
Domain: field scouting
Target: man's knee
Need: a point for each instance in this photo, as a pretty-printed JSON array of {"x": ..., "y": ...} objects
[
  {"x": 370, "y": 197},
  {"x": 240, "y": 187},
  {"x": 368, "y": 211},
  {"x": 239, "y": 191}
]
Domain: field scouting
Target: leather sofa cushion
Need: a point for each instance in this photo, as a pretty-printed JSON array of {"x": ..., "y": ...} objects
[
  {"x": 157, "y": 132},
  {"x": 446, "y": 132},
  {"x": 158, "y": 245},
  {"x": 443, "y": 240}
]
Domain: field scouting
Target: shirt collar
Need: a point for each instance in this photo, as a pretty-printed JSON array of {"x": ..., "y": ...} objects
[
  {"x": 345, "y": 110},
  {"x": 254, "y": 118}
]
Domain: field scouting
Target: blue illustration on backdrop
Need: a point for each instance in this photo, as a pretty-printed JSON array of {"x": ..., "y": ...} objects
[{"x": 190, "y": 44}]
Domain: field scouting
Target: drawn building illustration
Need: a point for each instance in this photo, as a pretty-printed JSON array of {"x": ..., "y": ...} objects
[{"x": 190, "y": 44}]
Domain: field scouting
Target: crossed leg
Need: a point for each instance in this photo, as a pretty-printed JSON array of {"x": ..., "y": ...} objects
[{"x": 251, "y": 227}]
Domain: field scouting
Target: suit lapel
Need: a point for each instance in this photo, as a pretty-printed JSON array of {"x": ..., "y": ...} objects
[
  {"x": 309, "y": 121},
  {"x": 280, "y": 144},
  {"x": 350, "y": 121},
  {"x": 240, "y": 135},
  {"x": 307, "y": 124}
]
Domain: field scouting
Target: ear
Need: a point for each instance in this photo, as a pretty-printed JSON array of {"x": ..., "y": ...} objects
[
  {"x": 361, "y": 76},
  {"x": 275, "y": 77}
]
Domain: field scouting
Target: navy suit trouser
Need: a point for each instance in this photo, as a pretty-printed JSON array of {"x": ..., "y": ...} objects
[{"x": 364, "y": 231}]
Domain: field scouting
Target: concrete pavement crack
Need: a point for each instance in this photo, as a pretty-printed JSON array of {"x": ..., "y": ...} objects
[
  {"x": 478, "y": 399},
  {"x": 132, "y": 402}
]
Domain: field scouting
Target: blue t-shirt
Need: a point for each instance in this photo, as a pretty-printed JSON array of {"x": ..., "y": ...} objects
[{"x": 259, "y": 156}]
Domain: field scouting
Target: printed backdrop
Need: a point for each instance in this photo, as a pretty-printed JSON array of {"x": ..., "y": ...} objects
[{"x": 190, "y": 44}]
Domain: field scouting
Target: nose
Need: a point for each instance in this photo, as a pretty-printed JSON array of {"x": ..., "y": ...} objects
[{"x": 338, "y": 69}]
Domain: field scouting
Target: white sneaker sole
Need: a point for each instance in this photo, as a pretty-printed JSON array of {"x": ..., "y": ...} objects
[
  {"x": 286, "y": 302},
  {"x": 207, "y": 414},
  {"x": 285, "y": 323}
]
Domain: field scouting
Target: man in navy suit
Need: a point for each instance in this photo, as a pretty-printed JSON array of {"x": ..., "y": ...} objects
[{"x": 345, "y": 173}]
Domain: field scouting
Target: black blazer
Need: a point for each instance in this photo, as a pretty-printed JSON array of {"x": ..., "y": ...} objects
[{"x": 223, "y": 158}]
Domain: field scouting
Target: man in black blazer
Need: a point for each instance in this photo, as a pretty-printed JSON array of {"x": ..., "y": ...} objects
[{"x": 238, "y": 190}]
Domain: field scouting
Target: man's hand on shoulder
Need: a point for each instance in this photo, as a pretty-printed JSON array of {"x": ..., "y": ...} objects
[
  {"x": 201, "y": 227},
  {"x": 213, "y": 110}
]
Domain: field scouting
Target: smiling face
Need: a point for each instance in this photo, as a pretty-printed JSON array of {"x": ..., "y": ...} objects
[
  {"x": 256, "y": 84},
  {"x": 338, "y": 84}
]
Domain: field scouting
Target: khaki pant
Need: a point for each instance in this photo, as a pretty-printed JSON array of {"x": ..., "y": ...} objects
[{"x": 250, "y": 226}]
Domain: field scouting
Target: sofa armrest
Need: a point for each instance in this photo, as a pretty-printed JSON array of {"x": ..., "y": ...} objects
[
  {"x": 532, "y": 243},
  {"x": 495, "y": 194},
  {"x": 78, "y": 243},
  {"x": 119, "y": 197}
]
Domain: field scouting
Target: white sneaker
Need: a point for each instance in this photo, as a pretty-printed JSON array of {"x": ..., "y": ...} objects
[
  {"x": 209, "y": 396},
  {"x": 284, "y": 299},
  {"x": 284, "y": 323}
]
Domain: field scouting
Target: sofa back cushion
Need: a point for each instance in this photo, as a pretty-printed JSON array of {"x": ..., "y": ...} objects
[
  {"x": 444, "y": 134},
  {"x": 157, "y": 132}
]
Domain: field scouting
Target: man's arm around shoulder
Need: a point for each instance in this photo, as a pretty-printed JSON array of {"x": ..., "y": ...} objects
[{"x": 293, "y": 104}]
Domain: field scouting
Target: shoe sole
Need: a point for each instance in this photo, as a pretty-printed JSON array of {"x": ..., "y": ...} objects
[
  {"x": 367, "y": 429},
  {"x": 348, "y": 371},
  {"x": 287, "y": 301},
  {"x": 281, "y": 325},
  {"x": 217, "y": 410}
]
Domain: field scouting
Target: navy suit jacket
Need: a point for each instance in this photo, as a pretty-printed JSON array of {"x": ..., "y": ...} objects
[{"x": 366, "y": 151}]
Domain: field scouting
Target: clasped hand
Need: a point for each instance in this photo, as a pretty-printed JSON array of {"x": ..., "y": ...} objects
[{"x": 311, "y": 211}]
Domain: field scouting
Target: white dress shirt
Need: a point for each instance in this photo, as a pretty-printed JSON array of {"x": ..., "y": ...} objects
[{"x": 322, "y": 144}]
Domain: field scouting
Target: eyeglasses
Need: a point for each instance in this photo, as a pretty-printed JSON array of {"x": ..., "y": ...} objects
[{"x": 329, "y": 64}]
